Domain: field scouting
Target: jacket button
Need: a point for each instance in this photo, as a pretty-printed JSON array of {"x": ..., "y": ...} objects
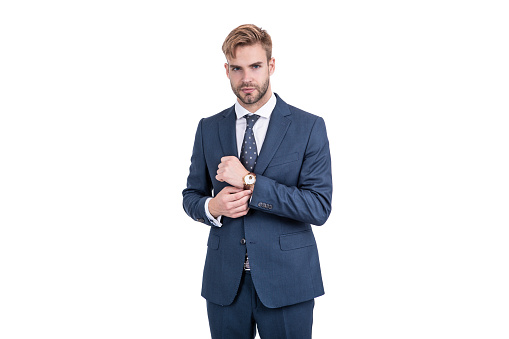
[{"x": 242, "y": 241}]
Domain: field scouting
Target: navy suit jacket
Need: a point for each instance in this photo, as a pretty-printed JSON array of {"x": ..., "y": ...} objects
[{"x": 293, "y": 190}]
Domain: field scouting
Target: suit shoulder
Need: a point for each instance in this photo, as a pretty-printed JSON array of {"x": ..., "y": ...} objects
[
  {"x": 303, "y": 115},
  {"x": 213, "y": 119},
  {"x": 218, "y": 116}
]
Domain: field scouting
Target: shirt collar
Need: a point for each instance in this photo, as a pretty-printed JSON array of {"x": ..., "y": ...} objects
[{"x": 265, "y": 111}]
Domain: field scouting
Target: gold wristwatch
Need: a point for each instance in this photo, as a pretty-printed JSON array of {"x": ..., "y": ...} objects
[{"x": 249, "y": 181}]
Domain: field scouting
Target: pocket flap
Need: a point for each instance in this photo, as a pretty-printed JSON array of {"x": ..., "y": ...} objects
[
  {"x": 213, "y": 242},
  {"x": 297, "y": 240},
  {"x": 285, "y": 159}
]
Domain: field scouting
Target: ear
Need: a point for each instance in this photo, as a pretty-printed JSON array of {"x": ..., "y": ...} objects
[
  {"x": 227, "y": 68},
  {"x": 272, "y": 66}
]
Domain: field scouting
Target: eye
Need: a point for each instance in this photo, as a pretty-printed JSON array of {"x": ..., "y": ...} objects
[
  {"x": 235, "y": 68},
  {"x": 256, "y": 66}
]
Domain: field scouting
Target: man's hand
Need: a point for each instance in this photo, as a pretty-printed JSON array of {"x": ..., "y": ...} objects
[
  {"x": 230, "y": 170},
  {"x": 231, "y": 202}
]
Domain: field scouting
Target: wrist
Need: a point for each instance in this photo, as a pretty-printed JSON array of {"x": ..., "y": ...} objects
[
  {"x": 249, "y": 181},
  {"x": 213, "y": 212}
]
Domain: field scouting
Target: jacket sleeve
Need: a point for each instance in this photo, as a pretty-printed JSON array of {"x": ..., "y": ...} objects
[
  {"x": 309, "y": 201},
  {"x": 199, "y": 186}
]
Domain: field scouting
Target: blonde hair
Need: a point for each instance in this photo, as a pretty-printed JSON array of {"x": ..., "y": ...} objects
[{"x": 247, "y": 35}]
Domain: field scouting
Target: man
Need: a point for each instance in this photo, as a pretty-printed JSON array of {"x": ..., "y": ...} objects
[{"x": 260, "y": 175}]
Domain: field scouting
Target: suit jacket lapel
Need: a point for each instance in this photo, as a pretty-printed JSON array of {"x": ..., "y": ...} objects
[
  {"x": 227, "y": 133},
  {"x": 278, "y": 127}
]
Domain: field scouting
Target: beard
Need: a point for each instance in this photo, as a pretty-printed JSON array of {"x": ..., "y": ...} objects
[{"x": 251, "y": 98}]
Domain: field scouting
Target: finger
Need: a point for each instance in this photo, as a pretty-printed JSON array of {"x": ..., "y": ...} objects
[
  {"x": 242, "y": 193},
  {"x": 224, "y": 159},
  {"x": 239, "y": 203},
  {"x": 236, "y": 193},
  {"x": 231, "y": 190},
  {"x": 231, "y": 202},
  {"x": 240, "y": 214}
]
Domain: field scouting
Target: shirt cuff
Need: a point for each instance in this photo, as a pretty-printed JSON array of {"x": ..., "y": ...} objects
[{"x": 214, "y": 221}]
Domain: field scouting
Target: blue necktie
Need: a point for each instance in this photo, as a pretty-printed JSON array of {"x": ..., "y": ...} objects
[
  {"x": 248, "y": 152},
  {"x": 248, "y": 155}
]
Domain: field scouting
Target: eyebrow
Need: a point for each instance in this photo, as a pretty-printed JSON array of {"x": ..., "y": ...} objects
[{"x": 258, "y": 63}]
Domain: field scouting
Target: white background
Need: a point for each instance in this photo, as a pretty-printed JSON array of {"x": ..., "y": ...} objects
[{"x": 99, "y": 103}]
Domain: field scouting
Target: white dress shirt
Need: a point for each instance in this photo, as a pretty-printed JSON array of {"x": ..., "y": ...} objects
[{"x": 259, "y": 130}]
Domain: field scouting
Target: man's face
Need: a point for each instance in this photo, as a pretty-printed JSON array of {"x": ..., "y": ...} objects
[{"x": 249, "y": 74}]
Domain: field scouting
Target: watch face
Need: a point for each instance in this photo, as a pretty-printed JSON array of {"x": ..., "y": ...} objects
[{"x": 250, "y": 179}]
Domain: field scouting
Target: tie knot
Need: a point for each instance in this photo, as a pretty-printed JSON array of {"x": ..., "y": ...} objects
[{"x": 251, "y": 119}]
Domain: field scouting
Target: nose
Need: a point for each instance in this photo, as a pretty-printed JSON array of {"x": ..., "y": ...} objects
[{"x": 247, "y": 76}]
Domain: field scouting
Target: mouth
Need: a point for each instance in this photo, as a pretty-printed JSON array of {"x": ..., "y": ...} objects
[{"x": 248, "y": 90}]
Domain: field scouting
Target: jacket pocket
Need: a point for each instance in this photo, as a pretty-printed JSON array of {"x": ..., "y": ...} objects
[
  {"x": 285, "y": 159},
  {"x": 296, "y": 240},
  {"x": 213, "y": 242}
]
